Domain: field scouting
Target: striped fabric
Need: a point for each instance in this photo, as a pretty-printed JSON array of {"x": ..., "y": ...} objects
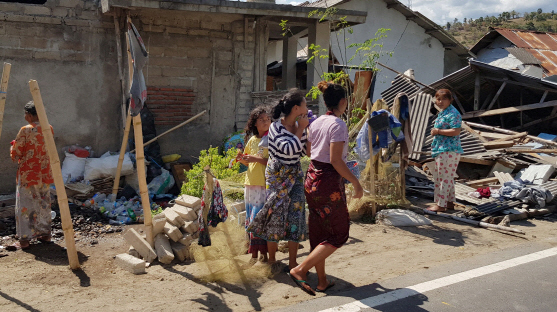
[{"x": 285, "y": 146}]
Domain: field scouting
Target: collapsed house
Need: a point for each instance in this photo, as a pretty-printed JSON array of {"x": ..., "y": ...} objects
[
  {"x": 531, "y": 53},
  {"x": 204, "y": 55}
]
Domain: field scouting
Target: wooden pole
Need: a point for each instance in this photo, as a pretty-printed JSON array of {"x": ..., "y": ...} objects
[
  {"x": 57, "y": 175},
  {"x": 174, "y": 128},
  {"x": 371, "y": 167},
  {"x": 140, "y": 157},
  {"x": 120, "y": 71},
  {"x": 476, "y": 223},
  {"x": 142, "y": 178},
  {"x": 3, "y": 91},
  {"x": 122, "y": 155}
]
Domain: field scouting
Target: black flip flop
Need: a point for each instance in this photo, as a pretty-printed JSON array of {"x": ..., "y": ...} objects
[
  {"x": 331, "y": 284},
  {"x": 300, "y": 283}
]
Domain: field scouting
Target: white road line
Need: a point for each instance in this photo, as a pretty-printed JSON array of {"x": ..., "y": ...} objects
[{"x": 440, "y": 282}]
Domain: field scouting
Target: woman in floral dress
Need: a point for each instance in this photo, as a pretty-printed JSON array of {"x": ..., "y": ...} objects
[
  {"x": 32, "y": 210},
  {"x": 283, "y": 217}
]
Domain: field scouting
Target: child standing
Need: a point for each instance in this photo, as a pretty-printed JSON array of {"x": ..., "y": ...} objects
[{"x": 255, "y": 157}]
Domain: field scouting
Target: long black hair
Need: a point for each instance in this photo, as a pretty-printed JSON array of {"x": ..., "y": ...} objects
[
  {"x": 332, "y": 94},
  {"x": 251, "y": 128},
  {"x": 285, "y": 105}
]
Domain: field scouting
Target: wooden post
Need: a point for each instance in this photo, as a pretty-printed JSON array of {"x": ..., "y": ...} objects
[
  {"x": 477, "y": 86},
  {"x": 57, "y": 175},
  {"x": 142, "y": 178},
  {"x": 371, "y": 168},
  {"x": 3, "y": 91},
  {"x": 122, "y": 155},
  {"x": 120, "y": 72}
]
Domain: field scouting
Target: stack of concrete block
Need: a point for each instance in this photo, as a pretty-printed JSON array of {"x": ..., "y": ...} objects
[{"x": 174, "y": 230}]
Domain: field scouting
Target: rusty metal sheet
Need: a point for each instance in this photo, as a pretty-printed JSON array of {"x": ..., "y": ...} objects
[
  {"x": 548, "y": 41},
  {"x": 550, "y": 68},
  {"x": 531, "y": 39},
  {"x": 551, "y": 64},
  {"x": 512, "y": 37}
]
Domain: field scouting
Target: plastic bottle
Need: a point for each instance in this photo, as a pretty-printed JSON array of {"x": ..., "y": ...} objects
[
  {"x": 124, "y": 220},
  {"x": 131, "y": 214}
]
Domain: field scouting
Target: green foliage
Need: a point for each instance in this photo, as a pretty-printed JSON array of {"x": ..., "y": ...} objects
[
  {"x": 155, "y": 212},
  {"x": 219, "y": 167}
]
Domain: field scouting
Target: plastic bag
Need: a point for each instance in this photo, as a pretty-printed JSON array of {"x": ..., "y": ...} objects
[
  {"x": 73, "y": 168},
  {"x": 161, "y": 184},
  {"x": 400, "y": 217},
  {"x": 97, "y": 168}
]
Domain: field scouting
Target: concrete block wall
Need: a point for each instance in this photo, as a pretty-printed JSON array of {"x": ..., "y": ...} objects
[
  {"x": 69, "y": 48},
  {"x": 210, "y": 54}
]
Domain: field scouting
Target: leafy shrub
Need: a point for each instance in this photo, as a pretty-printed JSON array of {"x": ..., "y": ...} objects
[{"x": 219, "y": 167}]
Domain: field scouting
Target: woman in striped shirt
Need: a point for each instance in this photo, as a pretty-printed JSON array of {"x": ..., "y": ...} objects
[{"x": 283, "y": 217}]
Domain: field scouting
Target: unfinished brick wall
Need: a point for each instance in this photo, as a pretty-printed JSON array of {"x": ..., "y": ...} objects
[{"x": 170, "y": 106}]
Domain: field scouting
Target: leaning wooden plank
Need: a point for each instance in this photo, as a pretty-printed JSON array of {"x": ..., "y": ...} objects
[
  {"x": 473, "y": 132},
  {"x": 492, "y": 135},
  {"x": 531, "y": 150},
  {"x": 473, "y": 222},
  {"x": 505, "y": 131},
  {"x": 3, "y": 91},
  {"x": 513, "y": 137},
  {"x": 508, "y": 110},
  {"x": 499, "y": 144},
  {"x": 57, "y": 175},
  {"x": 482, "y": 182}
]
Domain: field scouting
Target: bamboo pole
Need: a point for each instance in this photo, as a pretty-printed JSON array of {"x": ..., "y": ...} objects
[
  {"x": 120, "y": 71},
  {"x": 142, "y": 178},
  {"x": 371, "y": 167},
  {"x": 140, "y": 157},
  {"x": 122, "y": 155},
  {"x": 473, "y": 222},
  {"x": 57, "y": 175},
  {"x": 172, "y": 129},
  {"x": 3, "y": 91}
]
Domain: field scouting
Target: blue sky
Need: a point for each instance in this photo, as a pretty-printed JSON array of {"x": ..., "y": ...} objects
[{"x": 442, "y": 11}]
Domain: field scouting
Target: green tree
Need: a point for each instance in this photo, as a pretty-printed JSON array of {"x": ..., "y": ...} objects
[
  {"x": 540, "y": 11},
  {"x": 530, "y": 26},
  {"x": 448, "y": 26}
]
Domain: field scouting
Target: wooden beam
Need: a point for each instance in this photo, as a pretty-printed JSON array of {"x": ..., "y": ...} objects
[
  {"x": 512, "y": 137},
  {"x": 459, "y": 104},
  {"x": 477, "y": 161},
  {"x": 477, "y": 85},
  {"x": 529, "y": 86},
  {"x": 531, "y": 150},
  {"x": 508, "y": 110},
  {"x": 537, "y": 121},
  {"x": 54, "y": 160},
  {"x": 3, "y": 91},
  {"x": 505, "y": 131},
  {"x": 474, "y": 133},
  {"x": 497, "y": 95},
  {"x": 544, "y": 96},
  {"x": 487, "y": 100},
  {"x": 481, "y": 182},
  {"x": 498, "y": 144}
]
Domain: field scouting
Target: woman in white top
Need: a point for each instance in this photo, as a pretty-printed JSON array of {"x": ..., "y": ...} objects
[{"x": 283, "y": 217}]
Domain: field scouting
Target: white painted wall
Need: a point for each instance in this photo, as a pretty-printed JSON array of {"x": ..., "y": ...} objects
[{"x": 416, "y": 49}]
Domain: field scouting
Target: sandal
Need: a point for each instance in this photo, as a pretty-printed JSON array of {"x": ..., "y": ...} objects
[
  {"x": 301, "y": 283},
  {"x": 17, "y": 246},
  {"x": 331, "y": 284}
]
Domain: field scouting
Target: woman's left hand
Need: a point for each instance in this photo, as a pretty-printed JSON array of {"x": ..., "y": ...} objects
[
  {"x": 249, "y": 158},
  {"x": 434, "y": 132}
]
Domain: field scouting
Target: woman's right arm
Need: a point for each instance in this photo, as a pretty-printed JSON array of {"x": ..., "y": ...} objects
[{"x": 336, "y": 150}]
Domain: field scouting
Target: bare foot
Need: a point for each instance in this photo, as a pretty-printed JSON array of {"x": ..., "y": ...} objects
[
  {"x": 437, "y": 208},
  {"x": 450, "y": 205},
  {"x": 300, "y": 280}
]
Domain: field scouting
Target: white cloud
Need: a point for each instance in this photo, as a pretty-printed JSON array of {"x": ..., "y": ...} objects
[{"x": 447, "y": 10}]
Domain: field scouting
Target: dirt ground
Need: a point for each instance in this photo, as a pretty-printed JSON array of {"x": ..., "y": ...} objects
[{"x": 39, "y": 279}]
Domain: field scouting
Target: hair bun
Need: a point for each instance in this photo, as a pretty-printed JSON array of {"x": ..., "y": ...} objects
[{"x": 322, "y": 86}]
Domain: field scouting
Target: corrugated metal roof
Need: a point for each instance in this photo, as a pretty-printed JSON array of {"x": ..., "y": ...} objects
[
  {"x": 524, "y": 56},
  {"x": 541, "y": 45},
  {"x": 322, "y": 3},
  {"x": 400, "y": 84}
]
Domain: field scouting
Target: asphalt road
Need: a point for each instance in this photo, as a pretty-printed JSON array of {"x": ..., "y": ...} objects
[{"x": 518, "y": 279}]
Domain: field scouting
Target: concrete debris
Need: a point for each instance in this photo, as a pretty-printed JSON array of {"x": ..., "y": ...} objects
[
  {"x": 140, "y": 244},
  {"x": 173, "y": 217},
  {"x": 187, "y": 214},
  {"x": 188, "y": 201},
  {"x": 164, "y": 251},
  {"x": 130, "y": 263},
  {"x": 191, "y": 227},
  {"x": 172, "y": 231}
]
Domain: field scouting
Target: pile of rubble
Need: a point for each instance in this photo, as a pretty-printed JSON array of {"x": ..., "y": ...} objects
[{"x": 174, "y": 230}]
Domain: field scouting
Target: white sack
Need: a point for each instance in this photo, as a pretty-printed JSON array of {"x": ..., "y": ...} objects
[
  {"x": 73, "y": 167},
  {"x": 400, "y": 217},
  {"x": 97, "y": 168}
]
